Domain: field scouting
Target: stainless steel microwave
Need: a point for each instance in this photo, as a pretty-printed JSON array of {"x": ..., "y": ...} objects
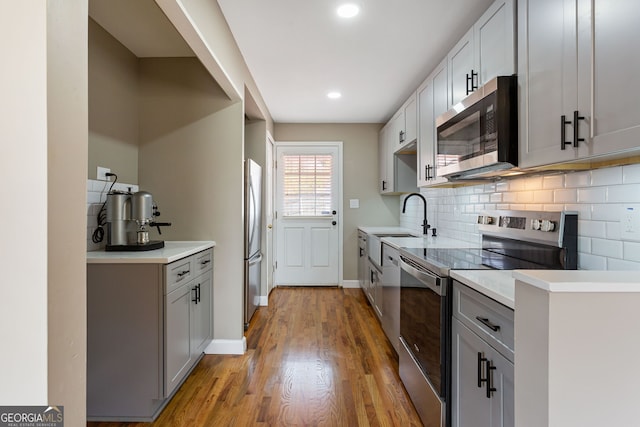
[{"x": 478, "y": 138}]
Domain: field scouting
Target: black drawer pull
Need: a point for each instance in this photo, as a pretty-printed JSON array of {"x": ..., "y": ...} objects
[
  {"x": 489, "y": 383},
  {"x": 182, "y": 273},
  {"x": 488, "y": 324}
]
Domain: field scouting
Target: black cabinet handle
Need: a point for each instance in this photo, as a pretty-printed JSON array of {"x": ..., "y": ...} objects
[
  {"x": 576, "y": 134},
  {"x": 205, "y": 262},
  {"x": 402, "y": 133},
  {"x": 195, "y": 294},
  {"x": 489, "y": 385},
  {"x": 183, "y": 273},
  {"x": 384, "y": 185},
  {"x": 429, "y": 168},
  {"x": 488, "y": 324},
  {"x": 563, "y": 131},
  {"x": 361, "y": 252},
  {"x": 198, "y": 293},
  {"x": 472, "y": 82},
  {"x": 481, "y": 360}
]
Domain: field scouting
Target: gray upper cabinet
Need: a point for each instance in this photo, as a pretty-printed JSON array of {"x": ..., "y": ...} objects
[
  {"x": 487, "y": 50},
  {"x": 432, "y": 101},
  {"x": 572, "y": 69},
  {"x": 397, "y": 171},
  {"x": 461, "y": 63},
  {"x": 615, "y": 121},
  {"x": 548, "y": 80}
]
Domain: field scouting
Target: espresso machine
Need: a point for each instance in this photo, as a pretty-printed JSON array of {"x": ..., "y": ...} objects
[{"x": 129, "y": 216}]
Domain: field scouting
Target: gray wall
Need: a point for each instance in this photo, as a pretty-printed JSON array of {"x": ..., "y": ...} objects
[
  {"x": 113, "y": 106},
  {"x": 191, "y": 160},
  {"x": 360, "y": 179}
]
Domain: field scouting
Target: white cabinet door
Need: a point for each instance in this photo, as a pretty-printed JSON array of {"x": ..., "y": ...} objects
[
  {"x": 385, "y": 180},
  {"x": 461, "y": 64},
  {"x": 440, "y": 106},
  {"x": 410, "y": 113},
  {"x": 615, "y": 124},
  {"x": 547, "y": 70},
  {"x": 494, "y": 37}
]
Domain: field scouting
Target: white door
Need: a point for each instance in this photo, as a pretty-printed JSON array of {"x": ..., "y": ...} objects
[{"x": 308, "y": 213}]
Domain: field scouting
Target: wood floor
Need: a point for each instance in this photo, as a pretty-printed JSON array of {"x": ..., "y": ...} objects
[{"x": 316, "y": 357}]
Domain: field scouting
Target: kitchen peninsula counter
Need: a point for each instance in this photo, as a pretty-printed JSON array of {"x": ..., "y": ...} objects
[{"x": 172, "y": 251}]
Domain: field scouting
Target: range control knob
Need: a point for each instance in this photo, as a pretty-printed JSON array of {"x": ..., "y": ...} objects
[
  {"x": 486, "y": 219},
  {"x": 547, "y": 225},
  {"x": 536, "y": 224}
]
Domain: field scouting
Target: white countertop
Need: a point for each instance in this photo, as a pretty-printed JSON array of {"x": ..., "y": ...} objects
[
  {"x": 172, "y": 251},
  {"x": 427, "y": 242},
  {"x": 580, "y": 280},
  {"x": 496, "y": 284},
  {"x": 387, "y": 230}
]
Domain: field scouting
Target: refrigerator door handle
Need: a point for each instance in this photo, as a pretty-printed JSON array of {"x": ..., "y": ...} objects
[{"x": 256, "y": 260}]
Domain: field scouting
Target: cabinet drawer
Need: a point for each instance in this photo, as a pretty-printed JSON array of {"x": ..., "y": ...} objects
[
  {"x": 203, "y": 261},
  {"x": 178, "y": 273},
  {"x": 489, "y": 319}
]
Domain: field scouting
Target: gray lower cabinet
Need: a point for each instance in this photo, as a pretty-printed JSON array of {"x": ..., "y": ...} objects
[
  {"x": 482, "y": 391},
  {"x": 147, "y": 326}
]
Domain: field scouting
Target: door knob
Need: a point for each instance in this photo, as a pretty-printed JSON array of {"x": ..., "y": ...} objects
[
  {"x": 333, "y": 223},
  {"x": 269, "y": 226},
  {"x": 334, "y": 212}
]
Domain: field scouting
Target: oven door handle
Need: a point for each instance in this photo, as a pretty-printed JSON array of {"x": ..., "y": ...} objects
[{"x": 425, "y": 277}]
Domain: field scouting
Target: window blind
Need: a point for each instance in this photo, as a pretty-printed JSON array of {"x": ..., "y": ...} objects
[{"x": 307, "y": 184}]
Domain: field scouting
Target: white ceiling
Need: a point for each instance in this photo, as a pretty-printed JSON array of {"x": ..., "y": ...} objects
[{"x": 298, "y": 50}]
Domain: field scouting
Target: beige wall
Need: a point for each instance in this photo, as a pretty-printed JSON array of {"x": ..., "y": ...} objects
[
  {"x": 191, "y": 160},
  {"x": 43, "y": 117},
  {"x": 212, "y": 26},
  {"x": 67, "y": 164},
  {"x": 360, "y": 179},
  {"x": 113, "y": 106}
]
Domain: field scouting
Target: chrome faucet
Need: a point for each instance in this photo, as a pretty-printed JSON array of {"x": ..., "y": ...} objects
[{"x": 425, "y": 224}]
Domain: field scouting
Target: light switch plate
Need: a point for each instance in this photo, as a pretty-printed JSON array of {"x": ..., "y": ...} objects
[
  {"x": 630, "y": 223},
  {"x": 354, "y": 203}
]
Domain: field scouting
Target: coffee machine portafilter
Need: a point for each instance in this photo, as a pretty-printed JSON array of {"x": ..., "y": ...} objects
[{"x": 128, "y": 218}]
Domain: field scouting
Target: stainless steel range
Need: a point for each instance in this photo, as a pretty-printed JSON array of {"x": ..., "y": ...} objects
[{"x": 510, "y": 240}]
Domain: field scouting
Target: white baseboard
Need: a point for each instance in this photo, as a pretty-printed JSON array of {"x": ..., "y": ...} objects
[
  {"x": 227, "y": 347},
  {"x": 264, "y": 301},
  {"x": 354, "y": 284}
]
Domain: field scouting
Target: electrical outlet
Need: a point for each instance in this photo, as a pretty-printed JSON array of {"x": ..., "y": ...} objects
[
  {"x": 102, "y": 174},
  {"x": 630, "y": 223}
]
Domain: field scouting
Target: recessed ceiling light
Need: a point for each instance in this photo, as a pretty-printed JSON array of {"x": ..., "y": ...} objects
[
  {"x": 334, "y": 95},
  {"x": 348, "y": 10}
]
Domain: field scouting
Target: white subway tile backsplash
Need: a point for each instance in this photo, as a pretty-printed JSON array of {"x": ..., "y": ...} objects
[
  {"x": 577, "y": 179},
  {"x": 596, "y": 195},
  {"x": 613, "y": 231},
  {"x": 619, "y": 264},
  {"x": 606, "y": 176},
  {"x": 592, "y": 195},
  {"x": 608, "y": 248},
  {"x": 631, "y": 174},
  {"x": 606, "y": 212},
  {"x": 565, "y": 196},
  {"x": 623, "y": 193},
  {"x": 591, "y": 262},
  {"x": 543, "y": 196},
  {"x": 631, "y": 251},
  {"x": 592, "y": 228},
  {"x": 552, "y": 182}
]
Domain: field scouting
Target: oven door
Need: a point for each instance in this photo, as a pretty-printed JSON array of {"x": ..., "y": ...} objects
[{"x": 423, "y": 321}]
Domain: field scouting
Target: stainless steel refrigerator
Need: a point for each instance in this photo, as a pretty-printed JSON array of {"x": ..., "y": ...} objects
[{"x": 252, "y": 238}]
